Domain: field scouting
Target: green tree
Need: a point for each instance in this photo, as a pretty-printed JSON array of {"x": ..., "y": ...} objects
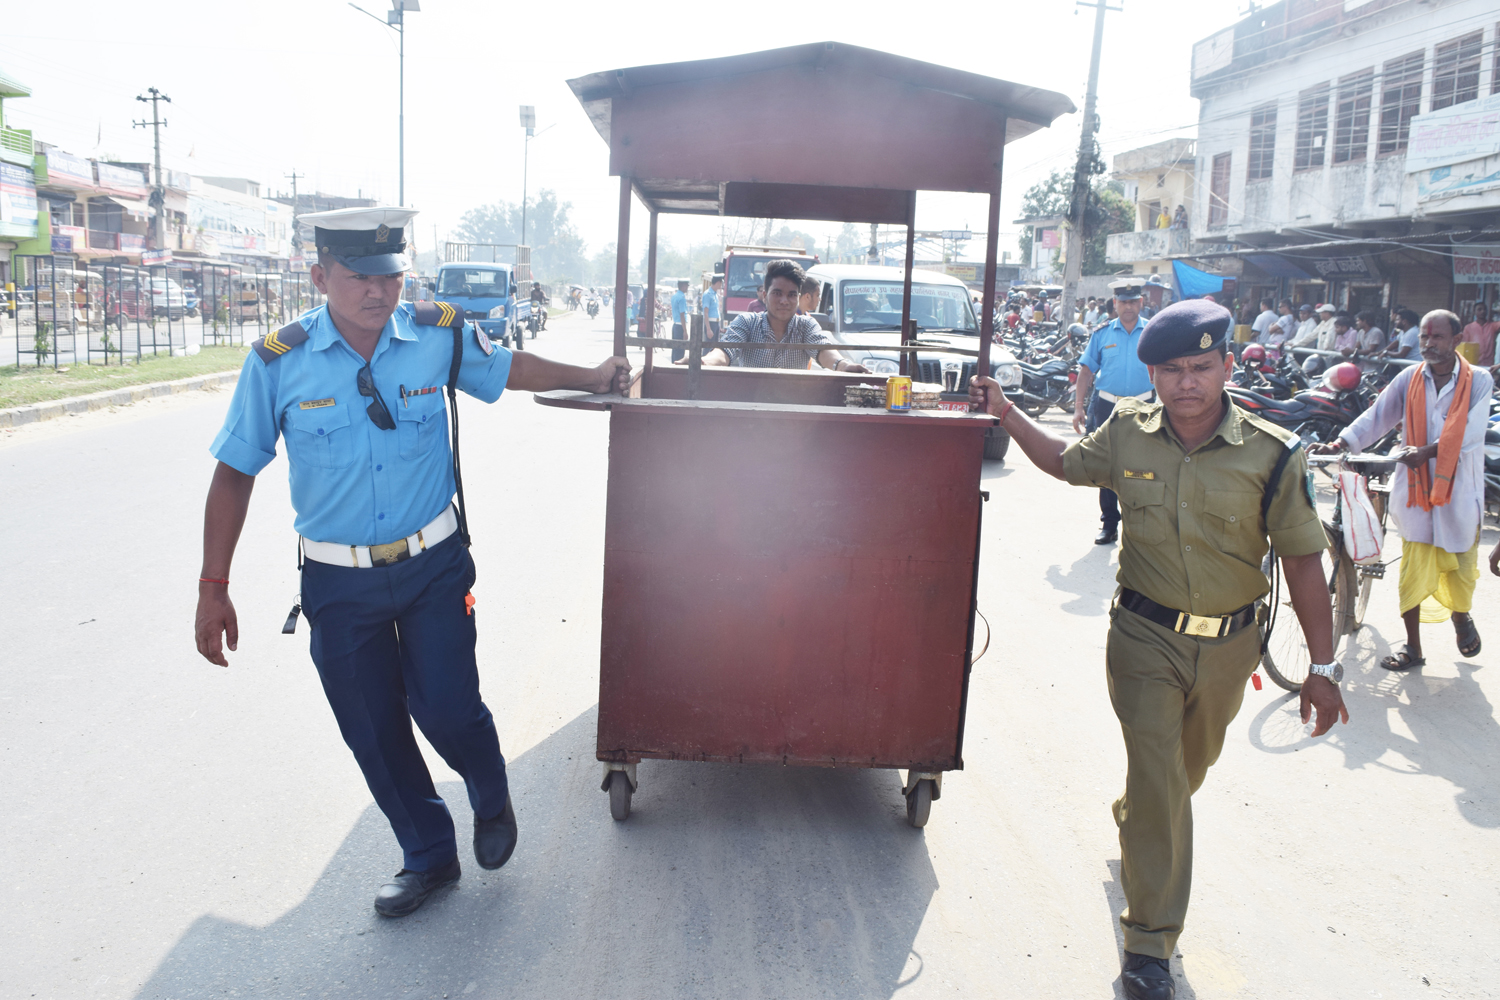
[
  {"x": 1106, "y": 212},
  {"x": 557, "y": 251}
]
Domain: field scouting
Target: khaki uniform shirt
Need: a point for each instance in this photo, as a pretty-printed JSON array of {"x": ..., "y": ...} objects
[{"x": 1194, "y": 539}]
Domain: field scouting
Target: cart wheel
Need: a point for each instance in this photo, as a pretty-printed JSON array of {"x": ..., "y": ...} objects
[
  {"x": 919, "y": 803},
  {"x": 619, "y": 795}
]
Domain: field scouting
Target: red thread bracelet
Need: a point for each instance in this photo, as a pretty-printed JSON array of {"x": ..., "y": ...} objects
[
  {"x": 205, "y": 579},
  {"x": 1010, "y": 404}
]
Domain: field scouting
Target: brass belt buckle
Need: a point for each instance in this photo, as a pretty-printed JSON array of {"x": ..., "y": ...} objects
[
  {"x": 392, "y": 552},
  {"x": 1198, "y": 625}
]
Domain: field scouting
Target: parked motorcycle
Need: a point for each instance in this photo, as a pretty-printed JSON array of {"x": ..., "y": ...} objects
[
  {"x": 1051, "y": 383},
  {"x": 1316, "y": 415}
]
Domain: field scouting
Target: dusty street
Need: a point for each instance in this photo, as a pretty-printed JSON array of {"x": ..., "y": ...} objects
[{"x": 179, "y": 830}]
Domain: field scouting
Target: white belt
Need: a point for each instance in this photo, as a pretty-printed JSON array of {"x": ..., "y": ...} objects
[
  {"x": 370, "y": 556},
  {"x": 1110, "y": 397}
]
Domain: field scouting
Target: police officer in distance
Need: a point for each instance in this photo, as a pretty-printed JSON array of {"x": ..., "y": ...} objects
[
  {"x": 1203, "y": 484},
  {"x": 356, "y": 388},
  {"x": 1109, "y": 371}
]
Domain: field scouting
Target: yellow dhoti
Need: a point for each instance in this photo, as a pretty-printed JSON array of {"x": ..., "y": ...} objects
[{"x": 1440, "y": 581}]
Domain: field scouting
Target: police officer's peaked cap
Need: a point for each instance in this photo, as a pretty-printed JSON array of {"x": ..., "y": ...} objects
[
  {"x": 1126, "y": 289},
  {"x": 365, "y": 240},
  {"x": 1184, "y": 329}
]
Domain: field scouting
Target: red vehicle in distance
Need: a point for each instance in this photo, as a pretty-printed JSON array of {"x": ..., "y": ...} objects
[{"x": 744, "y": 267}]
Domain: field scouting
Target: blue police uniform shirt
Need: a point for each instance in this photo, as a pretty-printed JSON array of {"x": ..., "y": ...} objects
[
  {"x": 679, "y": 306},
  {"x": 1111, "y": 357},
  {"x": 710, "y": 304},
  {"x": 353, "y": 483}
]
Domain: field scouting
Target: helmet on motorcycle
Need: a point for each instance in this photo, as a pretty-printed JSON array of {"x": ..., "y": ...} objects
[
  {"x": 1254, "y": 354},
  {"x": 1077, "y": 330},
  {"x": 1314, "y": 365},
  {"x": 1343, "y": 377}
]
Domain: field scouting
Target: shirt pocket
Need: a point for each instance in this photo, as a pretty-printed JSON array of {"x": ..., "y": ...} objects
[
  {"x": 1231, "y": 518},
  {"x": 321, "y": 438},
  {"x": 1145, "y": 513},
  {"x": 419, "y": 420}
]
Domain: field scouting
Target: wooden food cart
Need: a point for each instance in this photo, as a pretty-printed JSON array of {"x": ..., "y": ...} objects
[{"x": 786, "y": 579}]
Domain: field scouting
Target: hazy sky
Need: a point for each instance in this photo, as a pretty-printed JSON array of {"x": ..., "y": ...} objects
[{"x": 261, "y": 89}]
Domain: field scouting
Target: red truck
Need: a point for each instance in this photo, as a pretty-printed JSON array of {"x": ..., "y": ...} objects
[{"x": 744, "y": 267}]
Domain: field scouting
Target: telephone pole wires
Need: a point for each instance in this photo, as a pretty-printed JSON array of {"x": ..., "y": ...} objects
[
  {"x": 1082, "y": 171},
  {"x": 296, "y": 208},
  {"x": 159, "y": 192}
]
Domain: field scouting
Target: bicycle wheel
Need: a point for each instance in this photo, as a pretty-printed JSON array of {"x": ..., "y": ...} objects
[
  {"x": 1284, "y": 651},
  {"x": 1361, "y": 599}
]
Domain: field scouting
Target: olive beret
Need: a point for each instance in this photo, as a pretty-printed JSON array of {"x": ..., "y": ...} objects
[{"x": 1184, "y": 329}]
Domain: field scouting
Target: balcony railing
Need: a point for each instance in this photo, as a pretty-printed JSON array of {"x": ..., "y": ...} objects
[
  {"x": 1148, "y": 244},
  {"x": 16, "y": 145}
]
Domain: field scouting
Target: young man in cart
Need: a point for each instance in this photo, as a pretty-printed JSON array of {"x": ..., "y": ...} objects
[
  {"x": 1437, "y": 493},
  {"x": 1202, "y": 484},
  {"x": 781, "y": 288},
  {"x": 356, "y": 389}
]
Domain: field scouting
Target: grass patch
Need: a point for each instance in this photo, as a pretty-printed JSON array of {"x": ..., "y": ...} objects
[{"x": 24, "y": 384}]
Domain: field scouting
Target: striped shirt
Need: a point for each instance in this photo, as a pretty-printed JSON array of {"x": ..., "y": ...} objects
[{"x": 755, "y": 328}]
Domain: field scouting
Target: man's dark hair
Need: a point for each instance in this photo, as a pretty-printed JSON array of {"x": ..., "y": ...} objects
[
  {"x": 782, "y": 269},
  {"x": 1342, "y": 318},
  {"x": 718, "y": 279},
  {"x": 1287, "y": 303},
  {"x": 1455, "y": 325},
  {"x": 682, "y": 285},
  {"x": 1408, "y": 317},
  {"x": 1367, "y": 316},
  {"x": 811, "y": 285},
  {"x": 1267, "y": 303}
]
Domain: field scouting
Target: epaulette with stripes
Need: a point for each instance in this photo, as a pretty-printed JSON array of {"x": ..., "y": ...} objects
[
  {"x": 431, "y": 313},
  {"x": 273, "y": 345}
]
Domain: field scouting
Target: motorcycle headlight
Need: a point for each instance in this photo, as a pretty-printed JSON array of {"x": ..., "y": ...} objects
[
  {"x": 1008, "y": 375},
  {"x": 498, "y": 312},
  {"x": 882, "y": 366}
]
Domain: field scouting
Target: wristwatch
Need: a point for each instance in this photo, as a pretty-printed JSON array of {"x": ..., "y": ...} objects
[{"x": 1333, "y": 671}]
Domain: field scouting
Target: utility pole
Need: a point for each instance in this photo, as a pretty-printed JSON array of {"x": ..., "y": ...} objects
[
  {"x": 159, "y": 192},
  {"x": 296, "y": 205},
  {"x": 1073, "y": 267}
]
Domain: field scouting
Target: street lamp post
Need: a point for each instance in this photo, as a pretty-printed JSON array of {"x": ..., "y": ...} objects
[
  {"x": 528, "y": 122},
  {"x": 395, "y": 20}
]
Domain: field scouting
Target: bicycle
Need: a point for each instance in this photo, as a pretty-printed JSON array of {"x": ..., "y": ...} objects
[{"x": 1284, "y": 653}]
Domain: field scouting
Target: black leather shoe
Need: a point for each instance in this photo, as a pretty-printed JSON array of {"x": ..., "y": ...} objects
[
  {"x": 409, "y": 890},
  {"x": 495, "y": 839},
  {"x": 1147, "y": 978},
  {"x": 1107, "y": 535}
]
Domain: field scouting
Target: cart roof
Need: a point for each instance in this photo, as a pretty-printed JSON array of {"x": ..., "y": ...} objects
[{"x": 710, "y": 137}]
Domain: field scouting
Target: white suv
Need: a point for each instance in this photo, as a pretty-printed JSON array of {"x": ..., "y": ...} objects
[{"x": 862, "y": 303}]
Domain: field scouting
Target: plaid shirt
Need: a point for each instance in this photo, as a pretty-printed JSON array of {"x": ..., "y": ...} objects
[{"x": 755, "y": 328}]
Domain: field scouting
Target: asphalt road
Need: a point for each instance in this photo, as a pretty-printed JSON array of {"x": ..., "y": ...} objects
[{"x": 178, "y": 830}]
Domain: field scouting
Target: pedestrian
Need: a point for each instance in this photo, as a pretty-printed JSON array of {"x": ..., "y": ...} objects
[
  {"x": 1345, "y": 336},
  {"x": 713, "y": 300},
  {"x": 1108, "y": 371},
  {"x": 812, "y": 291},
  {"x": 356, "y": 388},
  {"x": 1204, "y": 483},
  {"x": 1437, "y": 493},
  {"x": 1091, "y": 314},
  {"x": 679, "y": 305},
  {"x": 1407, "y": 345},
  {"x": 1482, "y": 332},
  {"x": 1180, "y": 220},
  {"x": 1264, "y": 320},
  {"x": 1324, "y": 331},
  {"x": 1306, "y": 334},
  {"x": 1371, "y": 340}
]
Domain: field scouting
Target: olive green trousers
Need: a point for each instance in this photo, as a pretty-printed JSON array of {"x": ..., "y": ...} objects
[{"x": 1174, "y": 696}]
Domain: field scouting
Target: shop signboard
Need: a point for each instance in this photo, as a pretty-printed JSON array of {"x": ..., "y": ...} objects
[
  {"x": 117, "y": 177},
  {"x": 69, "y": 171},
  {"x": 1456, "y": 134},
  {"x": 1344, "y": 267},
  {"x": 151, "y": 257},
  {"x": 17, "y": 195},
  {"x": 1476, "y": 264}
]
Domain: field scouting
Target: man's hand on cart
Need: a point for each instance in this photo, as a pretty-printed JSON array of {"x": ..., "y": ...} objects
[
  {"x": 614, "y": 376},
  {"x": 982, "y": 399}
]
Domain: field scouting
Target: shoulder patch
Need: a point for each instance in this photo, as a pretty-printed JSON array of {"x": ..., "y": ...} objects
[
  {"x": 273, "y": 345},
  {"x": 483, "y": 340},
  {"x": 431, "y": 313}
]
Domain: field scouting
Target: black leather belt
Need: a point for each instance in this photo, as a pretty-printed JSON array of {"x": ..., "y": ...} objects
[{"x": 1207, "y": 626}]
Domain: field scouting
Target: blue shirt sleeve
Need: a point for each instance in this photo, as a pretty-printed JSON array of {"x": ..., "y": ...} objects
[
  {"x": 247, "y": 441},
  {"x": 482, "y": 375},
  {"x": 1091, "y": 359}
]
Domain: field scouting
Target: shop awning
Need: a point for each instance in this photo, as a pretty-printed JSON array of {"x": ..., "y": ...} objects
[
  {"x": 132, "y": 206},
  {"x": 1194, "y": 283}
]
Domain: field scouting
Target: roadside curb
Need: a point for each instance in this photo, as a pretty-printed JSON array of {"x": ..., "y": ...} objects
[{"x": 18, "y": 416}]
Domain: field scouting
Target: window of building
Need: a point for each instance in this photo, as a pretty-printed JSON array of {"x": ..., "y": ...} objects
[
  {"x": 1312, "y": 127},
  {"x": 1455, "y": 71},
  {"x": 1262, "y": 142},
  {"x": 1351, "y": 119},
  {"x": 1400, "y": 100},
  {"x": 1218, "y": 191}
]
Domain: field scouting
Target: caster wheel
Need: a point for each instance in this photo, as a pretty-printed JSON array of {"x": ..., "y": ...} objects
[
  {"x": 918, "y": 803},
  {"x": 619, "y": 795}
]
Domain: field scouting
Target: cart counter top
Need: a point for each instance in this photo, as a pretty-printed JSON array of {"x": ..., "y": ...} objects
[{"x": 569, "y": 399}]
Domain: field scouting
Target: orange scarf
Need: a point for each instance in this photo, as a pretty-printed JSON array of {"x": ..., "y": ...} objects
[{"x": 1421, "y": 490}]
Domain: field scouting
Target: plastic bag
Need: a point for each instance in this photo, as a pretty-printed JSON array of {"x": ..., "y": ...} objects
[{"x": 1364, "y": 535}]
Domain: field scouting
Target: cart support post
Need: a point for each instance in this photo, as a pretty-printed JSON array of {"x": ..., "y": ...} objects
[
  {"x": 911, "y": 249},
  {"x": 647, "y": 312},
  {"x": 695, "y": 354},
  {"x": 622, "y": 268},
  {"x": 991, "y": 244}
]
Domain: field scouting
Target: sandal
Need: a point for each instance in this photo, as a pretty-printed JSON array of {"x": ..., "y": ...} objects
[
  {"x": 1468, "y": 638},
  {"x": 1403, "y": 660}
]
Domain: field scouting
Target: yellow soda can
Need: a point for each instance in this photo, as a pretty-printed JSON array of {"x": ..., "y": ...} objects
[{"x": 898, "y": 393}]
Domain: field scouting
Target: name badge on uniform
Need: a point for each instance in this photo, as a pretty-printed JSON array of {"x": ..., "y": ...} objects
[
  {"x": 483, "y": 339},
  {"x": 315, "y": 404},
  {"x": 1107, "y": 347},
  {"x": 1132, "y": 474}
]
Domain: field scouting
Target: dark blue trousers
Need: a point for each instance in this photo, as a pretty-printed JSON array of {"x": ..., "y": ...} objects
[
  {"x": 1109, "y": 502},
  {"x": 394, "y": 644}
]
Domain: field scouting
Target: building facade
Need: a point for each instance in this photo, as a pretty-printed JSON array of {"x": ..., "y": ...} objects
[
  {"x": 1158, "y": 179},
  {"x": 1349, "y": 151}
]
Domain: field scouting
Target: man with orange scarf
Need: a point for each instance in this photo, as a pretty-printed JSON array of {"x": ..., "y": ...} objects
[{"x": 1437, "y": 496}]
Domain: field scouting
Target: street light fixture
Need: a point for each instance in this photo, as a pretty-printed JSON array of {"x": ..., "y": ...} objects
[
  {"x": 528, "y": 122},
  {"x": 395, "y": 20}
]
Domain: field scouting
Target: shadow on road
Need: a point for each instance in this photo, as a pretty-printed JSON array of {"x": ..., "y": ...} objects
[
  {"x": 1089, "y": 579},
  {"x": 726, "y": 881}
]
